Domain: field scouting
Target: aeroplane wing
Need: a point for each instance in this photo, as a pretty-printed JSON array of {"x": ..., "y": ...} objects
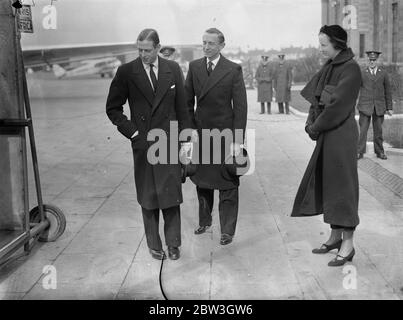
[{"x": 37, "y": 56}]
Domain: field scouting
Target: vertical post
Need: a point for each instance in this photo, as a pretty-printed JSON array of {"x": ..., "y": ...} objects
[{"x": 13, "y": 175}]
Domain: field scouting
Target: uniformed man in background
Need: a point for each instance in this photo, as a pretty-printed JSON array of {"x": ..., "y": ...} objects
[
  {"x": 282, "y": 84},
  {"x": 264, "y": 78},
  {"x": 375, "y": 100},
  {"x": 168, "y": 52}
]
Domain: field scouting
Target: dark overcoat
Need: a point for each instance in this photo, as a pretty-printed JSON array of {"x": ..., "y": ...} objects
[
  {"x": 330, "y": 183},
  {"x": 157, "y": 185},
  {"x": 376, "y": 93},
  {"x": 264, "y": 78},
  {"x": 220, "y": 101},
  {"x": 282, "y": 82}
]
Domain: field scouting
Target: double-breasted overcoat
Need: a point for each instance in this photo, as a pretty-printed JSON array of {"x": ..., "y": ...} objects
[
  {"x": 158, "y": 185},
  {"x": 283, "y": 81},
  {"x": 220, "y": 101},
  {"x": 264, "y": 78}
]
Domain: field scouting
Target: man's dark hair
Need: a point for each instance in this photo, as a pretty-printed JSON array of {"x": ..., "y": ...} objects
[
  {"x": 217, "y": 32},
  {"x": 149, "y": 34}
]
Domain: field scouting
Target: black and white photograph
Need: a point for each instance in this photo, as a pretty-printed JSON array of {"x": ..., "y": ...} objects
[{"x": 214, "y": 151}]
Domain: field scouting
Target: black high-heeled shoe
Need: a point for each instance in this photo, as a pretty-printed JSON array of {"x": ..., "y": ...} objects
[
  {"x": 340, "y": 262},
  {"x": 327, "y": 247}
]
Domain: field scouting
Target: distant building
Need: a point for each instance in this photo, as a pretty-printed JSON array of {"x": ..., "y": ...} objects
[{"x": 379, "y": 26}]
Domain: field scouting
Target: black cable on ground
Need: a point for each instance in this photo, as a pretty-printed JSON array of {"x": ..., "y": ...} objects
[{"x": 162, "y": 289}]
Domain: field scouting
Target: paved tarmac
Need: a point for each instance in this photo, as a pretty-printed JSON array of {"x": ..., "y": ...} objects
[{"x": 86, "y": 170}]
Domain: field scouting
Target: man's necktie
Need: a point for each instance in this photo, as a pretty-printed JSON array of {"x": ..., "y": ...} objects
[
  {"x": 153, "y": 77},
  {"x": 210, "y": 68}
]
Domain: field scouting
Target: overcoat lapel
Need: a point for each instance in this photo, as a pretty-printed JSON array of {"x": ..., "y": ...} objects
[
  {"x": 141, "y": 81},
  {"x": 202, "y": 74},
  {"x": 164, "y": 82},
  {"x": 218, "y": 73}
]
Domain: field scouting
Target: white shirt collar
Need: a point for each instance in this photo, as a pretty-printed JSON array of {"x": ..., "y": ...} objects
[
  {"x": 215, "y": 61},
  {"x": 147, "y": 66},
  {"x": 375, "y": 70}
]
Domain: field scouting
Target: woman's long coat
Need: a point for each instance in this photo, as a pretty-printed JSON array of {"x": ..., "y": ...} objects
[
  {"x": 330, "y": 182},
  {"x": 264, "y": 78}
]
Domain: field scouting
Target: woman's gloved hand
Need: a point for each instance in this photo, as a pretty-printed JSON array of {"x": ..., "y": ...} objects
[{"x": 312, "y": 134}]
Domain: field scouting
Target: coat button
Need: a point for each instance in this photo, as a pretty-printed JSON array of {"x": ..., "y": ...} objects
[{"x": 143, "y": 118}]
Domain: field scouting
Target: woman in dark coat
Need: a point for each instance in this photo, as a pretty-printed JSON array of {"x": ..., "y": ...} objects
[{"x": 330, "y": 183}]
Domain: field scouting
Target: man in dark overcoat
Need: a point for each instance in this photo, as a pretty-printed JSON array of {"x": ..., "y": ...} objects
[
  {"x": 154, "y": 89},
  {"x": 375, "y": 100},
  {"x": 218, "y": 87}
]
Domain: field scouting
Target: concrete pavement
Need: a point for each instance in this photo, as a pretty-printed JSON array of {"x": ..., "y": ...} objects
[{"x": 86, "y": 169}]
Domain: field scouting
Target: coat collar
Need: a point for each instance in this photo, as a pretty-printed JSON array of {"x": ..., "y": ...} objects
[
  {"x": 164, "y": 82},
  {"x": 141, "y": 80},
  {"x": 143, "y": 83},
  {"x": 343, "y": 56},
  {"x": 221, "y": 69}
]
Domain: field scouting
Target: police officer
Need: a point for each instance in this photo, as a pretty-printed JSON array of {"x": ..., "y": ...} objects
[
  {"x": 264, "y": 78},
  {"x": 167, "y": 52},
  {"x": 282, "y": 84},
  {"x": 375, "y": 100}
]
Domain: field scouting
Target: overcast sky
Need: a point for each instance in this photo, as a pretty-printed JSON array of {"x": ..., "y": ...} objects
[{"x": 265, "y": 24}]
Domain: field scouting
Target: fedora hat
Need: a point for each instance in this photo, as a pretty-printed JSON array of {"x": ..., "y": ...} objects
[{"x": 235, "y": 166}]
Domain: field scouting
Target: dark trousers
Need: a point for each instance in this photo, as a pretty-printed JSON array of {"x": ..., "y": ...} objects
[
  {"x": 377, "y": 122},
  {"x": 281, "y": 107},
  {"x": 172, "y": 227},
  {"x": 227, "y": 208},
  {"x": 268, "y": 107},
  {"x": 337, "y": 227}
]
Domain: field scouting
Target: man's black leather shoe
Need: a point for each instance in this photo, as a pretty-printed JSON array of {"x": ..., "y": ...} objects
[
  {"x": 382, "y": 156},
  {"x": 201, "y": 230},
  {"x": 225, "y": 239},
  {"x": 360, "y": 156},
  {"x": 173, "y": 253},
  {"x": 158, "y": 254}
]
